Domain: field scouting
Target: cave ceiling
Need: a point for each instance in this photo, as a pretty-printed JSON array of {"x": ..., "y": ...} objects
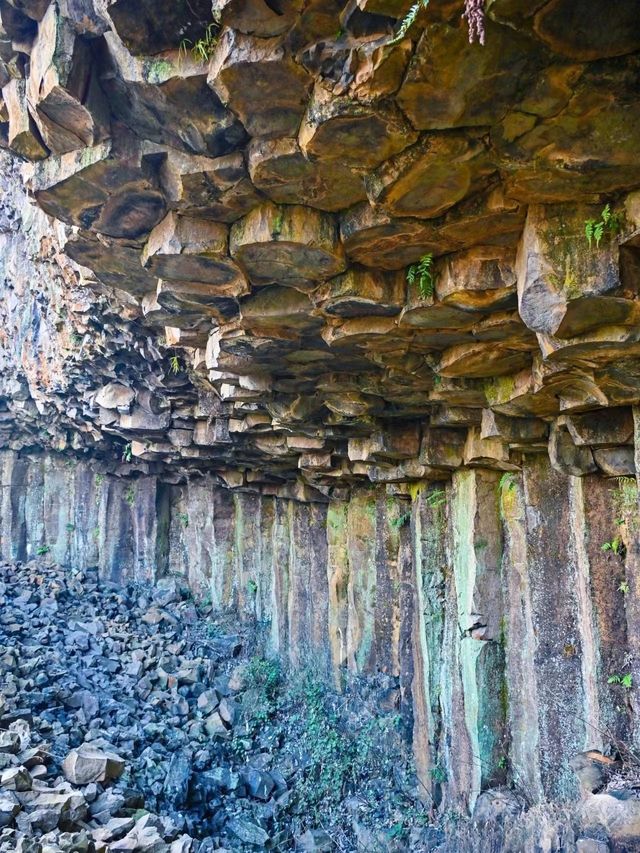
[{"x": 330, "y": 255}]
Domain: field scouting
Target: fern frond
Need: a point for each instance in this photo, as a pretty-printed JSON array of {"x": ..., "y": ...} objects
[
  {"x": 598, "y": 233},
  {"x": 409, "y": 20},
  {"x": 588, "y": 230}
]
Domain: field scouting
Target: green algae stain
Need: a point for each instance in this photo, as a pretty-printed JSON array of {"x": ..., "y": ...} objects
[
  {"x": 508, "y": 500},
  {"x": 500, "y": 389},
  {"x": 464, "y": 556},
  {"x": 416, "y": 489},
  {"x": 157, "y": 71},
  {"x": 278, "y": 224}
]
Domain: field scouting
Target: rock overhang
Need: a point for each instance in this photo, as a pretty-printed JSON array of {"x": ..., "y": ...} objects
[{"x": 353, "y": 258}]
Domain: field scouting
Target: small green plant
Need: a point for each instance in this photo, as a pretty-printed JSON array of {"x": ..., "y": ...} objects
[
  {"x": 626, "y": 496},
  {"x": 263, "y": 677},
  {"x": 99, "y": 480},
  {"x": 399, "y": 522},
  {"x": 595, "y": 229},
  {"x": 437, "y": 498},
  {"x": 625, "y": 680},
  {"x": 409, "y": 20},
  {"x": 201, "y": 49},
  {"x": 42, "y": 550},
  {"x": 70, "y": 527},
  {"x": 96, "y": 533},
  {"x": 624, "y": 587},
  {"x": 421, "y": 275},
  {"x": 127, "y": 453},
  {"x": 184, "y": 519},
  {"x": 130, "y": 496},
  {"x": 502, "y": 762},
  {"x": 438, "y": 774},
  {"x": 175, "y": 366},
  {"x": 615, "y": 546},
  {"x": 252, "y": 586}
]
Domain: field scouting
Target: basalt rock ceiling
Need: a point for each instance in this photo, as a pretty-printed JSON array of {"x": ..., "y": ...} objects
[{"x": 255, "y": 215}]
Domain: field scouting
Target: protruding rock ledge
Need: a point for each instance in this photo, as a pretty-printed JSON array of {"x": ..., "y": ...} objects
[{"x": 290, "y": 245}]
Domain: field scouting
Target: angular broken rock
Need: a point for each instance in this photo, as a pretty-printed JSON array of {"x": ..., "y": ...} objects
[
  {"x": 9, "y": 808},
  {"x": 176, "y": 784},
  {"x": 248, "y": 832},
  {"x": 593, "y": 770},
  {"x": 115, "y": 396},
  {"x": 87, "y": 764},
  {"x": 9, "y": 742},
  {"x": 619, "y": 818},
  {"x": 260, "y": 83},
  {"x": 288, "y": 244},
  {"x": 16, "y": 779}
]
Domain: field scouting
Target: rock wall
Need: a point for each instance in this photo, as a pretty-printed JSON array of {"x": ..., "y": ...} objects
[
  {"x": 334, "y": 314},
  {"x": 490, "y": 599}
]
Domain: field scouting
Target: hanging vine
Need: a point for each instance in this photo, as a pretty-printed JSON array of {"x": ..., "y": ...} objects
[{"x": 473, "y": 12}]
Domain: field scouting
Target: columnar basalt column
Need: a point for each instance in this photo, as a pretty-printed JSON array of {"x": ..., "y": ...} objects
[{"x": 476, "y": 553}]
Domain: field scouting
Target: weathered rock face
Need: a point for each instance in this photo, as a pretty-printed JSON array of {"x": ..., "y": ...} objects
[
  {"x": 490, "y": 599},
  {"x": 252, "y": 189},
  {"x": 274, "y": 279}
]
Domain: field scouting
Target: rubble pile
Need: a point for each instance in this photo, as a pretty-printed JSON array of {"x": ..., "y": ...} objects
[{"x": 128, "y": 723}]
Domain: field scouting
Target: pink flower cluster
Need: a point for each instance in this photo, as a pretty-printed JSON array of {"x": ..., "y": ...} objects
[{"x": 474, "y": 13}]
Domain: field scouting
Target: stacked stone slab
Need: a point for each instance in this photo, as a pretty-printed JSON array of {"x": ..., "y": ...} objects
[{"x": 255, "y": 215}]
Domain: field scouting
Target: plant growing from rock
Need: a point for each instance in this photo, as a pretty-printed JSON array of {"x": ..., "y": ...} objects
[
  {"x": 201, "y": 49},
  {"x": 421, "y": 275},
  {"x": 507, "y": 481},
  {"x": 474, "y": 12},
  {"x": 174, "y": 363},
  {"x": 626, "y": 496},
  {"x": 127, "y": 453},
  {"x": 409, "y": 20},
  {"x": 42, "y": 550},
  {"x": 595, "y": 229},
  {"x": 437, "y": 498},
  {"x": 401, "y": 521},
  {"x": 439, "y": 774},
  {"x": 616, "y": 546},
  {"x": 625, "y": 680},
  {"x": 263, "y": 677}
]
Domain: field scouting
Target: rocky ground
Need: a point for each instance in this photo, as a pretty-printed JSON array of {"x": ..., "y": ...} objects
[{"x": 131, "y": 720}]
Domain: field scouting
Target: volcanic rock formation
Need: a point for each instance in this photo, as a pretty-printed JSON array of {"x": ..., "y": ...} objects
[{"x": 338, "y": 317}]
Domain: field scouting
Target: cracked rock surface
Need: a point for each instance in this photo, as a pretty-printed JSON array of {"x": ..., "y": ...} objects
[
  {"x": 131, "y": 722},
  {"x": 241, "y": 191}
]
